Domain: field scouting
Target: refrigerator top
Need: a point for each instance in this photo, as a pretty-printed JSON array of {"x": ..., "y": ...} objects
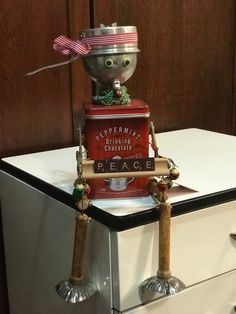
[{"x": 206, "y": 160}]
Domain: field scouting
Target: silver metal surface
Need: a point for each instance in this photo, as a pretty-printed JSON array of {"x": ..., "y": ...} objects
[
  {"x": 162, "y": 286},
  {"x": 75, "y": 293},
  {"x": 39, "y": 252},
  {"x": 97, "y": 70}
]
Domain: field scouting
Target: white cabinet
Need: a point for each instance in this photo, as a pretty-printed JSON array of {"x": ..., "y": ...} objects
[
  {"x": 215, "y": 296},
  {"x": 201, "y": 248},
  {"x": 122, "y": 244}
]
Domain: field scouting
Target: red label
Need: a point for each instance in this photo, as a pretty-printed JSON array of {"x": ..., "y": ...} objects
[{"x": 117, "y": 138}]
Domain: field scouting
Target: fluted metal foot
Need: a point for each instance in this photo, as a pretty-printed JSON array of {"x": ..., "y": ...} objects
[
  {"x": 162, "y": 286},
  {"x": 75, "y": 293}
]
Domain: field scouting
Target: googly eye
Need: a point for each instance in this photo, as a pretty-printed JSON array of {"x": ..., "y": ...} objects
[
  {"x": 108, "y": 63},
  {"x": 126, "y": 62}
]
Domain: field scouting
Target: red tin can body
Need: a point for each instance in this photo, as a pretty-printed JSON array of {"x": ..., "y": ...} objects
[{"x": 115, "y": 132}]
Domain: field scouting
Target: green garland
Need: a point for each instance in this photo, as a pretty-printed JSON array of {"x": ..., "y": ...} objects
[{"x": 106, "y": 97}]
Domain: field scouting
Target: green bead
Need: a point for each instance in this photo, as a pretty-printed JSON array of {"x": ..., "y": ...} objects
[{"x": 77, "y": 194}]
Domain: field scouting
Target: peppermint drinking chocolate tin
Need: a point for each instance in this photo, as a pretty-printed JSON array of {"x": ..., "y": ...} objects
[{"x": 117, "y": 132}]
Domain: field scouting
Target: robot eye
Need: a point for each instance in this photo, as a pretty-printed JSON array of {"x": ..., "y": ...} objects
[
  {"x": 108, "y": 63},
  {"x": 126, "y": 62}
]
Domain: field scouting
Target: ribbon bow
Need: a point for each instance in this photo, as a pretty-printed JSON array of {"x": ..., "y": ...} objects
[
  {"x": 68, "y": 46},
  {"x": 82, "y": 47}
]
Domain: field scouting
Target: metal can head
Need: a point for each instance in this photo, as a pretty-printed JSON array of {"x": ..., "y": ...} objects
[{"x": 113, "y": 55}]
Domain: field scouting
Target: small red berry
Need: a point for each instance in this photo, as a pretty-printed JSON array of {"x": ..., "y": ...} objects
[{"x": 118, "y": 93}]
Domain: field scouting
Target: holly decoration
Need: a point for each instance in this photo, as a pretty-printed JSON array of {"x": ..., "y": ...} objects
[{"x": 107, "y": 96}]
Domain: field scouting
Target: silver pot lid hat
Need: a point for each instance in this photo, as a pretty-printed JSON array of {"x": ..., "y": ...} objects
[
  {"x": 110, "y": 40},
  {"x": 96, "y": 41},
  {"x": 100, "y": 41}
]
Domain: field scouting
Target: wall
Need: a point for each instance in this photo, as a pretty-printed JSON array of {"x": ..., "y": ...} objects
[
  {"x": 185, "y": 69},
  {"x": 37, "y": 111},
  {"x": 185, "y": 72}
]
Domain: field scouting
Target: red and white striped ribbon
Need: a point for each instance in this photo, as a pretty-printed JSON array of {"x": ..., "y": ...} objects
[{"x": 68, "y": 46}]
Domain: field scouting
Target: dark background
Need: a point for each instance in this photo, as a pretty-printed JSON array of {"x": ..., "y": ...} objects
[{"x": 186, "y": 70}]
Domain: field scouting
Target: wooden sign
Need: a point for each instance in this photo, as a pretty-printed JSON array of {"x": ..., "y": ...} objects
[
  {"x": 124, "y": 165},
  {"x": 161, "y": 168}
]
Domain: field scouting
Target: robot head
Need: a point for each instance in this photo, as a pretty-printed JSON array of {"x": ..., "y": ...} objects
[{"x": 114, "y": 60}]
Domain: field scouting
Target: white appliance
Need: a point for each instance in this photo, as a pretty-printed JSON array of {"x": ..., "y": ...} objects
[{"x": 122, "y": 246}]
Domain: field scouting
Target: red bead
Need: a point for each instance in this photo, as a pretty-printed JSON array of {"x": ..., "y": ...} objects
[
  {"x": 162, "y": 186},
  {"x": 118, "y": 93}
]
